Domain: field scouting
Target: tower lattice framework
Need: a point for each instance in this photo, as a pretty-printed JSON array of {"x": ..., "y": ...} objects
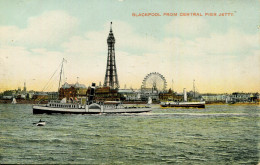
[{"x": 111, "y": 78}]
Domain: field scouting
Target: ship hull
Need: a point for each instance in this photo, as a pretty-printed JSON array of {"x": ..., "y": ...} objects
[
  {"x": 51, "y": 110},
  {"x": 184, "y": 104}
]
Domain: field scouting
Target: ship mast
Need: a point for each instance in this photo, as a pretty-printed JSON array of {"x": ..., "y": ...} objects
[
  {"x": 172, "y": 85},
  {"x": 61, "y": 73},
  {"x": 194, "y": 88}
]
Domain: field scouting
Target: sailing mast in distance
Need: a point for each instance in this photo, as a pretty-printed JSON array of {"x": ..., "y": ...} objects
[
  {"x": 194, "y": 88},
  {"x": 63, "y": 60}
]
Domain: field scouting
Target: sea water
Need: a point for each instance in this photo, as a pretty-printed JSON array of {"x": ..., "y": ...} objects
[{"x": 218, "y": 134}]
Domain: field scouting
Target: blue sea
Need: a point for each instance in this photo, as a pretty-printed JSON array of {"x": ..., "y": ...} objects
[{"x": 218, "y": 134}]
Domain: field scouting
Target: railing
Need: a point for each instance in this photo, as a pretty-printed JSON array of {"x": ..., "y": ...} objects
[{"x": 55, "y": 101}]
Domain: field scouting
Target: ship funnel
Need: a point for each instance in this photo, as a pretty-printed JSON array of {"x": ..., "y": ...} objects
[
  {"x": 184, "y": 95},
  {"x": 92, "y": 92}
]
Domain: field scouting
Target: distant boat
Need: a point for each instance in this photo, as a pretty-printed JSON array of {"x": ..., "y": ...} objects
[
  {"x": 185, "y": 103},
  {"x": 14, "y": 101},
  {"x": 200, "y": 104}
]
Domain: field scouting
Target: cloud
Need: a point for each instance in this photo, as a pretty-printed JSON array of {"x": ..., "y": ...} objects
[
  {"x": 20, "y": 64},
  {"x": 188, "y": 27},
  {"x": 50, "y": 29},
  {"x": 231, "y": 42}
]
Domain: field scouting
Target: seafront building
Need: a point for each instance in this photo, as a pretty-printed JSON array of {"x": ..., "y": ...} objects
[
  {"x": 244, "y": 97},
  {"x": 236, "y": 97},
  {"x": 130, "y": 94},
  {"x": 171, "y": 96},
  {"x": 20, "y": 94},
  {"x": 105, "y": 94},
  {"x": 81, "y": 92},
  {"x": 209, "y": 97},
  {"x": 39, "y": 96},
  {"x": 73, "y": 91}
]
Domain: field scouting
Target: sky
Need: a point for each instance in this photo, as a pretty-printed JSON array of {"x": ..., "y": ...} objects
[{"x": 221, "y": 53}]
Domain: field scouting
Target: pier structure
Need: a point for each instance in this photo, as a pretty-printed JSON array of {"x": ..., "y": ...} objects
[{"x": 111, "y": 78}]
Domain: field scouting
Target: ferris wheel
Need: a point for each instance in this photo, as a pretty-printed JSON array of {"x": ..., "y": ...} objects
[{"x": 155, "y": 81}]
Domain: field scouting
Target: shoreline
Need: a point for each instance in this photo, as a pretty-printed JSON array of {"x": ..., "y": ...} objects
[
  {"x": 257, "y": 103},
  {"x": 21, "y": 101}
]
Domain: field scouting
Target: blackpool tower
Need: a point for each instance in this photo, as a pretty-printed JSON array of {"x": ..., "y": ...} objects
[{"x": 111, "y": 78}]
